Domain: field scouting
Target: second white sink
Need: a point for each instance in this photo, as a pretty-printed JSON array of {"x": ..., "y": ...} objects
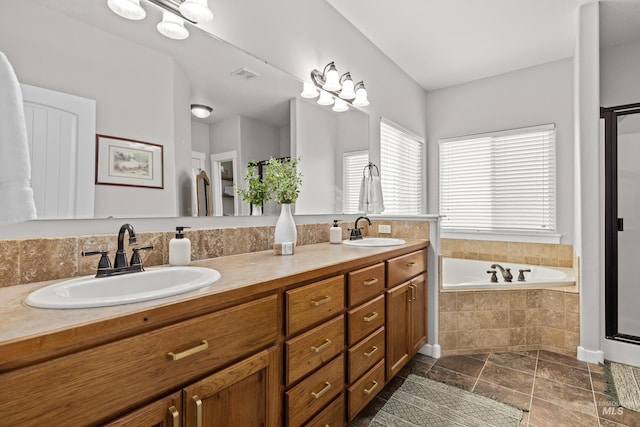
[
  {"x": 375, "y": 241},
  {"x": 153, "y": 283}
]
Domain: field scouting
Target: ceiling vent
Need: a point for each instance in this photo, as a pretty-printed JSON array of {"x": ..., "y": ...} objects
[{"x": 245, "y": 74}]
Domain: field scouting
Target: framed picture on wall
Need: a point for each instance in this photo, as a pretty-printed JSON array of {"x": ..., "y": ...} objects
[{"x": 122, "y": 161}]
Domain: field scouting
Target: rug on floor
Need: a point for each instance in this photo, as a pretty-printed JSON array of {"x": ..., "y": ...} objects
[
  {"x": 423, "y": 402},
  {"x": 623, "y": 385}
]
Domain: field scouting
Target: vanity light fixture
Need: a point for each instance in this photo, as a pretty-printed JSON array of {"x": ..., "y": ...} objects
[
  {"x": 332, "y": 88},
  {"x": 201, "y": 111},
  {"x": 196, "y": 10},
  {"x": 172, "y": 26},
  {"x": 129, "y": 9}
]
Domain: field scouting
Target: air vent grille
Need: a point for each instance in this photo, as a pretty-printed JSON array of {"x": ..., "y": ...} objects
[{"x": 245, "y": 74}]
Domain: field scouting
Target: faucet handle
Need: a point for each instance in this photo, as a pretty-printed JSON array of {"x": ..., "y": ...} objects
[
  {"x": 104, "y": 262},
  {"x": 494, "y": 276},
  {"x": 521, "y": 274},
  {"x": 135, "y": 256}
]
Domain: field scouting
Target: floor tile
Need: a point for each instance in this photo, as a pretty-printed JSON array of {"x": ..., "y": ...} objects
[
  {"x": 479, "y": 356},
  {"x": 563, "y": 374},
  {"x": 503, "y": 394},
  {"x": 596, "y": 368},
  {"x": 366, "y": 415},
  {"x": 608, "y": 411},
  {"x": 450, "y": 377},
  {"x": 463, "y": 364},
  {"x": 598, "y": 383},
  {"x": 519, "y": 361},
  {"x": 566, "y": 396},
  {"x": 419, "y": 365},
  {"x": 507, "y": 377},
  {"x": 546, "y": 414},
  {"x": 563, "y": 359}
]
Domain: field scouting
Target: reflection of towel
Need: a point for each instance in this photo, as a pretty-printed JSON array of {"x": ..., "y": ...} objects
[
  {"x": 371, "y": 195},
  {"x": 15, "y": 167}
]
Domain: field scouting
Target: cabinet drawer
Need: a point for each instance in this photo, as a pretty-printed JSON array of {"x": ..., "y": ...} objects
[
  {"x": 315, "y": 392},
  {"x": 306, "y": 352},
  {"x": 332, "y": 416},
  {"x": 123, "y": 373},
  {"x": 365, "y": 354},
  {"x": 365, "y": 319},
  {"x": 365, "y": 283},
  {"x": 405, "y": 267},
  {"x": 313, "y": 303},
  {"x": 361, "y": 393}
]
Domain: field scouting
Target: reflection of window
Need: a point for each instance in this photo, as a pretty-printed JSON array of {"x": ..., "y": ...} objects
[
  {"x": 499, "y": 182},
  {"x": 353, "y": 163},
  {"x": 401, "y": 165}
]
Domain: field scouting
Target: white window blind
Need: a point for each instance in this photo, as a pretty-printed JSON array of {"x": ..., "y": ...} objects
[
  {"x": 401, "y": 165},
  {"x": 499, "y": 182},
  {"x": 353, "y": 163}
]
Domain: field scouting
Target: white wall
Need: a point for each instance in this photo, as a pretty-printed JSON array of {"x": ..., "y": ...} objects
[
  {"x": 200, "y": 138},
  {"x": 619, "y": 71},
  {"x": 225, "y": 136},
  {"x": 533, "y": 96},
  {"x": 353, "y": 135},
  {"x": 182, "y": 174}
]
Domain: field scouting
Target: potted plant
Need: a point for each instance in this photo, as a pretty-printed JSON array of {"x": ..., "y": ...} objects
[
  {"x": 283, "y": 182},
  {"x": 257, "y": 191}
]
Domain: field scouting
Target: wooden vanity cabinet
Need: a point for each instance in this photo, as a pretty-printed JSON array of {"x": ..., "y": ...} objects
[
  {"x": 165, "y": 412},
  {"x": 406, "y": 309}
]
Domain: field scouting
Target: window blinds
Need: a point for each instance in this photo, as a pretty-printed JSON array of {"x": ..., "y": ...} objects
[
  {"x": 353, "y": 163},
  {"x": 500, "y": 182},
  {"x": 401, "y": 165}
]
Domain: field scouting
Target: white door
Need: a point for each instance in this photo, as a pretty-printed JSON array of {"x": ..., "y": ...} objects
[{"x": 61, "y": 130}]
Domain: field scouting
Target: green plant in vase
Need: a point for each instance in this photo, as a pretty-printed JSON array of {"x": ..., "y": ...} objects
[
  {"x": 284, "y": 182},
  {"x": 257, "y": 191}
]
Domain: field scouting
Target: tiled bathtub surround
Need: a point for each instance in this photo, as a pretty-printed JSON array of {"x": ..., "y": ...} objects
[
  {"x": 509, "y": 320},
  {"x": 41, "y": 259},
  {"x": 516, "y": 252}
]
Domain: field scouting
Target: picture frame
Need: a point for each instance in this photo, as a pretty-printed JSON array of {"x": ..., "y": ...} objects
[{"x": 128, "y": 162}]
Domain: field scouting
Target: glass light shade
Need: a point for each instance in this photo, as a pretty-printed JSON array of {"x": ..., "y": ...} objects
[
  {"x": 309, "y": 91},
  {"x": 129, "y": 9},
  {"x": 325, "y": 98},
  {"x": 361, "y": 97},
  {"x": 172, "y": 26},
  {"x": 201, "y": 111},
  {"x": 340, "y": 106},
  {"x": 196, "y": 10},
  {"x": 347, "y": 89},
  {"x": 332, "y": 80}
]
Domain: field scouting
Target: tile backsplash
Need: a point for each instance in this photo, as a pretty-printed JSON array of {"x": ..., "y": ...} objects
[{"x": 40, "y": 259}]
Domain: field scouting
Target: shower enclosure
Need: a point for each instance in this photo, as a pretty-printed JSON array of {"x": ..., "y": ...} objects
[{"x": 622, "y": 222}]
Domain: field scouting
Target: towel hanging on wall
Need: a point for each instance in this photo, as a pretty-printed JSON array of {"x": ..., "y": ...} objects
[
  {"x": 371, "y": 191},
  {"x": 15, "y": 166}
]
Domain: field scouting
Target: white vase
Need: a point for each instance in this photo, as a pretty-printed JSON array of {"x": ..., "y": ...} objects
[
  {"x": 256, "y": 210},
  {"x": 285, "y": 227}
]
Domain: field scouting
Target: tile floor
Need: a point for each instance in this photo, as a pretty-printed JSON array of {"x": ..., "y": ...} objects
[{"x": 555, "y": 390}]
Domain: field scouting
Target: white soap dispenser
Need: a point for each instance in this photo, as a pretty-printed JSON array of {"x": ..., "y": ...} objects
[
  {"x": 180, "y": 248},
  {"x": 335, "y": 233}
]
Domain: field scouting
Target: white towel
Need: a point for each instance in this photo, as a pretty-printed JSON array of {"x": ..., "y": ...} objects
[
  {"x": 370, "y": 200},
  {"x": 16, "y": 195}
]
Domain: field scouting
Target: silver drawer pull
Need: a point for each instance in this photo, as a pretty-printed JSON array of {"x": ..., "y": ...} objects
[
  {"x": 370, "y": 282},
  {"x": 370, "y": 318},
  {"x": 327, "y": 343},
  {"x": 322, "y": 392},
  {"x": 321, "y": 302},
  {"x": 372, "y": 352}
]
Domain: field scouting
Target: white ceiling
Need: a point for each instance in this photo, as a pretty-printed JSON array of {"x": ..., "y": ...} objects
[{"x": 441, "y": 43}]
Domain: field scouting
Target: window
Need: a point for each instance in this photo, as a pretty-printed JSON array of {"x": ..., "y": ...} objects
[
  {"x": 503, "y": 182},
  {"x": 353, "y": 164},
  {"x": 401, "y": 165}
]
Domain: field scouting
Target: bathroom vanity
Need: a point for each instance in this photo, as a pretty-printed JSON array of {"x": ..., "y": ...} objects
[{"x": 307, "y": 339}]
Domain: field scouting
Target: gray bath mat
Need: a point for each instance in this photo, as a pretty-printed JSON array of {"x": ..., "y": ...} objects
[
  {"x": 623, "y": 385},
  {"x": 423, "y": 402}
]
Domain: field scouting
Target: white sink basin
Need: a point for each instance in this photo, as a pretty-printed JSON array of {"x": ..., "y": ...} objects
[
  {"x": 375, "y": 241},
  {"x": 153, "y": 283}
]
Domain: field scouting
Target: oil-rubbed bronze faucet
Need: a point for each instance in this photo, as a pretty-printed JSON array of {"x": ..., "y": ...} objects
[
  {"x": 356, "y": 233},
  {"x": 120, "y": 265},
  {"x": 506, "y": 272}
]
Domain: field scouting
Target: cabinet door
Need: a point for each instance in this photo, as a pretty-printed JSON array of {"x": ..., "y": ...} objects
[
  {"x": 398, "y": 328},
  {"x": 163, "y": 412},
  {"x": 418, "y": 287},
  {"x": 245, "y": 394}
]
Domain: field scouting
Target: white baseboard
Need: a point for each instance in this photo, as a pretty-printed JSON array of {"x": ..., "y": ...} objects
[
  {"x": 430, "y": 350},
  {"x": 590, "y": 356}
]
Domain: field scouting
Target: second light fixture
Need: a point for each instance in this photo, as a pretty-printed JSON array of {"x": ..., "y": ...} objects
[{"x": 336, "y": 90}]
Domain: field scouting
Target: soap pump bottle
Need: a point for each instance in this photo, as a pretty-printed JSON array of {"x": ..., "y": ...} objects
[
  {"x": 179, "y": 248},
  {"x": 335, "y": 233}
]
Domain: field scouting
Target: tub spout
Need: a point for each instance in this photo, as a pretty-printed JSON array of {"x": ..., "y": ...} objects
[{"x": 506, "y": 272}]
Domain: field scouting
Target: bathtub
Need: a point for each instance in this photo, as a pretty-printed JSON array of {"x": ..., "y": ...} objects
[{"x": 462, "y": 274}]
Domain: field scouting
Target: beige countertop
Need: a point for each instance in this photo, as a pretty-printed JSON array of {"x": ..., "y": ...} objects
[{"x": 35, "y": 333}]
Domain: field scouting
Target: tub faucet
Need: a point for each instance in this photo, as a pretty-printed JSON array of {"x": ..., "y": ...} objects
[
  {"x": 356, "y": 233},
  {"x": 506, "y": 272}
]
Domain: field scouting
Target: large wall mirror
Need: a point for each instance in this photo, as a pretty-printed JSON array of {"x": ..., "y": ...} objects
[{"x": 142, "y": 85}]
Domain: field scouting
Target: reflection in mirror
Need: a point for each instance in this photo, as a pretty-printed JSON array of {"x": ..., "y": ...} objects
[
  {"x": 203, "y": 192},
  {"x": 143, "y": 84}
]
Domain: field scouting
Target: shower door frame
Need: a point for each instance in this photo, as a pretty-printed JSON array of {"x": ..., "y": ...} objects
[{"x": 613, "y": 223}]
